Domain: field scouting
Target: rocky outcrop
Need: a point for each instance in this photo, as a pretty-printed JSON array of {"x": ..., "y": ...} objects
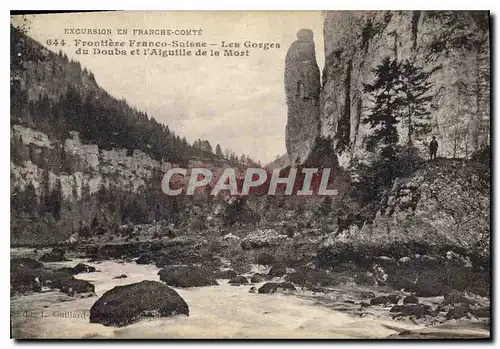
[
  {"x": 302, "y": 86},
  {"x": 454, "y": 43},
  {"x": 435, "y": 225},
  {"x": 186, "y": 276},
  {"x": 123, "y": 305}
]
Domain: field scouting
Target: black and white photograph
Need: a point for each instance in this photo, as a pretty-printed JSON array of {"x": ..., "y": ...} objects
[{"x": 250, "y": 175}]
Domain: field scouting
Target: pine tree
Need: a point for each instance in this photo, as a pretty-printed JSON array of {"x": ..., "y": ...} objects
[
  {"x": 400, "y": 93},
  {"x": 383, "y": 118},
  {"x": 414, "y": 97}
]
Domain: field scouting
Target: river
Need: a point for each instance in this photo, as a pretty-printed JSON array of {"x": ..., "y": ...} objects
[{"x": 222, "y": 311}]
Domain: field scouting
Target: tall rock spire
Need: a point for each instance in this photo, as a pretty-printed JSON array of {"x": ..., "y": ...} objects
[{"x": 302, "y": 87}]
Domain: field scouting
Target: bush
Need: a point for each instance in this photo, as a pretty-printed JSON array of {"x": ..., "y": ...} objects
[{"x": 290, "y": 231}]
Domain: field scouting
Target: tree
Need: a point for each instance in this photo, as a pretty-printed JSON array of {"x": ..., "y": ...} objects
[
  {"x": 400, "y": 93},
  {"x": 22, "y": 51},
  {"x": 218, "y": 151},
  {"x": 414, "y": 97},
  {"x": 56, "y": 199},
  {"x": 382, "y": 117}
]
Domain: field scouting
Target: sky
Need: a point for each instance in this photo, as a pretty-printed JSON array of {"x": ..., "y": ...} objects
[{"x": 238, "y": 102}]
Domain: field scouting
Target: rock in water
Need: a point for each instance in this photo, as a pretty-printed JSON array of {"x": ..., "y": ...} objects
[
  {"x": 225, "y": 274},
  {"x": 311, "y": 277},
  {"x": 277, "y": 271},
  {"x": 74, "y": 287},
  {"x": 302, "y": 87},
  {"x": 383, "y": 300},
  {"x": 269, "y": 287},
  {"x": 83, "y": 268},
  {"x": 54, "y": 279},
  {"x": 416, "y": 310},
  {"x": 123, "y": 305},
  {"x": 238, "y": 280},
  {"x": 257, "y": 278},
  {"x": 56, "y": 255},
  {"x": 24, "y": 280},
  {"x": 410, "y": 300},
  {"x": 25, "y": 262},
  {"x": 145, "y": 259},
  {"x": 186, "y": 276}
]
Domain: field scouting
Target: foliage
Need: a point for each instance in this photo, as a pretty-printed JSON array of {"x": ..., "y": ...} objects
[
  {"x": 376, "y": 179},
  {"x": 21, "y": 52},
  {"x": 322, "y": 154},
  {"x": 400, "y": 94}
]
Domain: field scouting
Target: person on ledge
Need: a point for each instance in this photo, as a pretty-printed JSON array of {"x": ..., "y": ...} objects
[{"x": 433, "y": 147}]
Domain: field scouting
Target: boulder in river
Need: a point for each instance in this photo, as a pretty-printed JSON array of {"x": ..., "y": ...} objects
[
  {"x": 25, "y": 263},
  {"x": 459, "y": 312},
  {"x": 256, "y": 278},
  {"x": 74, "y": 287},
  {"x": 238, "y": 280},
  {"x": 54, "y": 278},
  {"x": 287, "y": 286},
  {"x": 123, "y": 305},
  {"x": 410, "y": 300},
  {"x": 276, "y": 271},
  {"x": 382, "y": 300},
  {"x": 271, "y": 287},
  {"x": 145, "y": 258},
  {"x": 268, "y": 287},
  {"x": 56, "y": 255},
  {"x": 416, "y": 310},
  {"x": 366, "y": 295},
  {"x": 311, "y": 277},
  {"x": 24, "y": 280},
  {"x": 225, "y": 274},
  {"x": 456, "y": 297},
  {"x": 77, "y": 269},
  {"x": 186, "y": 276},
  {"x": 83, "y": 268},
  {"x": 428, "y": 289}
]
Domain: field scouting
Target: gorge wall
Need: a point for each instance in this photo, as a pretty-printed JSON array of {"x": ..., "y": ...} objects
[
  {"x": 453, "y": 44},
  {"x": 79, "y": 173}
]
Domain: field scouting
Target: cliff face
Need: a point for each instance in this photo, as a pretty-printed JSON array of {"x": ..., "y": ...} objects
[
  {"x": 455, "y": 45},
  {"x": 302, "y": 86},
  {"x": 80, "y": 173}
]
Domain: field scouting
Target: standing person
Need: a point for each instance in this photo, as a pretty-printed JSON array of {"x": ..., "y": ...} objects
[{"x": 433, "y": 147}]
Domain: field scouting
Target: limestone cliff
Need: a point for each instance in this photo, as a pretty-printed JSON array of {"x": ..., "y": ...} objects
[
  {"x": 83, "y": 172},
  {"x": 302, "y": 86},
  {"x": 453, "y": 43}
]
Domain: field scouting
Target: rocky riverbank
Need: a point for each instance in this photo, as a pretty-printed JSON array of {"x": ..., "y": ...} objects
[{"x": 239, "y": 299}]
